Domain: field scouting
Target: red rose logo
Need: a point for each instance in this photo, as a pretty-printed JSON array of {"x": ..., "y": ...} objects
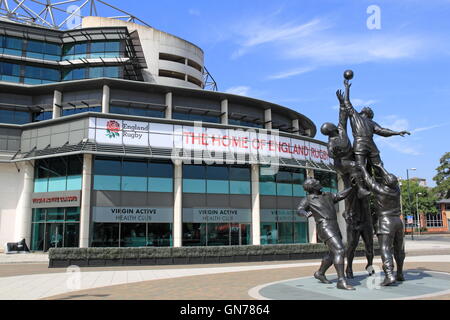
[{"x": 112, "y": 129}]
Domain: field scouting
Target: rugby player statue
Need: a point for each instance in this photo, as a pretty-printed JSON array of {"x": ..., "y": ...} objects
[{"x": 360, "y": 168}]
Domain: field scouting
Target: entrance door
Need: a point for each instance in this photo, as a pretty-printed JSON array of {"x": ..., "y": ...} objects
[{"x": 54, "y": 236}]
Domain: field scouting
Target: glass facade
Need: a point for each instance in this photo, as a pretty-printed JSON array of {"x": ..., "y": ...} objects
[
  {"x": 92, "y": 72},
  {"x": 58, "y": 174},
  {"x": 195, "y": 117},
  {"x": 128, "y": 235},
  {"x": 244, "y": 123},
  {"x": 92, "y": 50},
  {"x": 283, "y": 226},
  {"x": 136, "y": 111},
  {"x": 133, "y": 175},
  {"x": 55, "y": 228},
  {"x": 216, "y": 205},
  {"x": 286, "y": 182},
  {"x": 14, "y": 116},
  {"x": 216, "y": 180}
]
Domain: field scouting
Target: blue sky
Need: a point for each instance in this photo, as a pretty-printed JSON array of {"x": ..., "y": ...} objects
[{"x": 294, "y": 53}]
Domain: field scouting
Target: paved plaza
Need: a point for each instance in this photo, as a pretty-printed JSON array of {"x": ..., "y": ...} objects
[{"x": 27, "y": 277}]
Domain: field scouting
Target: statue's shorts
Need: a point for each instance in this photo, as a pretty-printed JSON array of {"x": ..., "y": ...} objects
[
  {"x": 366, "y": 147},
  {"x": 328, "y": 229},
  {"x": 389, "y": 225}
]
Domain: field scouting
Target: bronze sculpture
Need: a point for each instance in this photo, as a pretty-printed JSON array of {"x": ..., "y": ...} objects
[
  {"x": 321, "y": 206},
  {"x": 355, "y": 165},
  {"x": 357, "y": 213},
  {"x": 388, "y": 225}
]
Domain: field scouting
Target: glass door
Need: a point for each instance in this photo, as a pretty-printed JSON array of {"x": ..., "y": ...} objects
[{"x": 54, "y": 235}]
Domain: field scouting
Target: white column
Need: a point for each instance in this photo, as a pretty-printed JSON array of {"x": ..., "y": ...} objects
[
  {"x": 85, "y": 201},
  {"x": 340, "y": 217},
  {"x": 106, "y": 98},
  {"x": 57, "y": 103},
  {"x": 268, "y": 119},
  {"x": 169, "y": 105},
  {"x": 224, "y": 109},
  {"x": 311, "y": 223},
  {"x": 256, "y": 208},
  {"x": 296, "y": 126},
  {"x": 23, "y": 210},
  {"x": 178, "y": 204}
]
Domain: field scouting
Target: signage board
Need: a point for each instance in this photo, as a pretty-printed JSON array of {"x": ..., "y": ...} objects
[
  {"x": 132, "y": 215},
  {"x": 65, "y": 199},
  {"x": 216, "y": 215},
  {"x": 237, "y": 141}
]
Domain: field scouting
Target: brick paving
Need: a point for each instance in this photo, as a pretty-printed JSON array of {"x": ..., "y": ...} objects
[{"x": 228, "y": 286}]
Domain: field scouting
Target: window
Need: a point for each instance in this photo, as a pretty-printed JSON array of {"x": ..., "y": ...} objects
[
  {"x": 137, "y": 111},
  {"x": 282, "y": 227},
  {"x": 287, "y": 182},
  {"x": 434, "y": 220},
  {"x": 216, "y": 179},
  {"x": 14, "y": 116},
  {"x": 195, "y": 117},
  {"x": 132, "y": 175},
  {"x": 55, "y": 228},
  {"x": 72, "y": 111},
  {"x": 132, "y": 235},
  {"x": 216, "y": 234},
  {"x": 12, "y": 46},
  {"x": 58, "y": 174},
  {"x": 9, "y": 72},
  {"x": 43, "y": 50},
  {"x": 244, "y": 123}
]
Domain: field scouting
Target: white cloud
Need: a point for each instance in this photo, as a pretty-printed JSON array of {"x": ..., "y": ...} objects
[
  {"x": 431, "y": 127},
  {"x": 290, "y": 73},
  {"x": 258, "y": 31},
  {"x": 317, "y": 44},
  {"x": 239, "y": 90}
]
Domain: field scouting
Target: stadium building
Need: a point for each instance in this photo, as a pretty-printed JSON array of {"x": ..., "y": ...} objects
[{"x": 112, "y": 134}]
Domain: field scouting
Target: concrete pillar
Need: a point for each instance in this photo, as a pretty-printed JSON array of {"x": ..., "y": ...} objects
[
  {"x": 106, "y": 98},
  {"x": 296, "y": 126},
  {"x": 23, "y": 210},
  {"x": 224, "y": 109},
  {"x": 169, "y": 105},
  {"x": 57, "y": 103},
  {"x": 341, "y": 205},
  {"x": 268, "y": 119},
  {"x": 311, "y": 223},
  {"x": 256, "y": 208},
  {"x": 85, "y": 201},
  {"x": 178, "y": 204}
]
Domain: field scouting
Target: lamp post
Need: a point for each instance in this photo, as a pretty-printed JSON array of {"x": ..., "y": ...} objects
[
  {"x": 409, "y": 198},
  {"x": 417, "y": 209}
]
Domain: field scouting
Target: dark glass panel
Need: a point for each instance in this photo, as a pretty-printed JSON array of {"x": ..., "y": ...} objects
[
  {"x": 108, "y": 167},
  {"x": 219, "y": 234},
  {"x": 75, "y": 166},
  {"x": 159, "y": 234},
  {"x": 106, "y": 235},
  {"x": 217, "y": 173},
  {"x": 133, "y": 235},
  {"x": 194, "y": 234},
  {"x": 240, "y": 174},
  {"x": 161, "y": 170},
  {"x": 194, "y": 172},
  {"x": 284, "y": 177},
  {"x": 72, "y": 235},
  {"x": 134, "y": 168}
]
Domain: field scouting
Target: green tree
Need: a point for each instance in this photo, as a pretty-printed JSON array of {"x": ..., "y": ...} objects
[
  {"x": 442, "y": 178},
  {"x": 427, "y": 198}
]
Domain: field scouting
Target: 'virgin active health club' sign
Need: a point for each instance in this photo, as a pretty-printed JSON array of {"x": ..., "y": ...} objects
[
  {"x": 167, "y": 136},
  {"x": 191, "y": 215}
]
